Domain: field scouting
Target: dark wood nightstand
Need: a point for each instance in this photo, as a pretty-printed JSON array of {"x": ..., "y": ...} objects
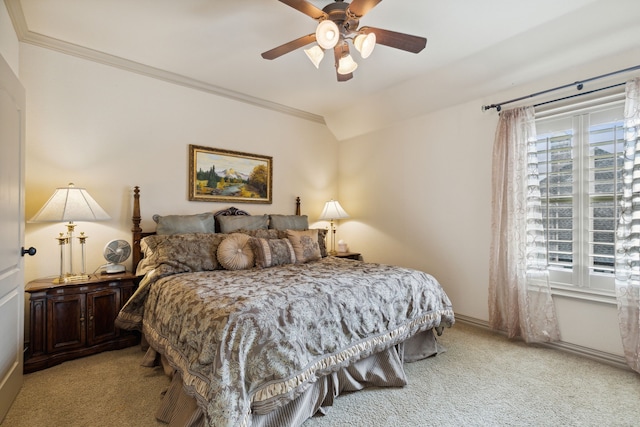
[
  {"x": 348, "y": 255},
  {"x": 71, "y": 320}
]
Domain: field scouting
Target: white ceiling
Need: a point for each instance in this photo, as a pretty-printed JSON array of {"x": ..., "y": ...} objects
[{"x": 475, "y": 44}]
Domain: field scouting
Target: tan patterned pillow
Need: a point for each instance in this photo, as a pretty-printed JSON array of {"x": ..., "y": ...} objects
[
  {"x": 179, "y": 253},
  {"x": 235, "y": 253},
  {"x": 322, "y": 241},
  {"x": 272, "y": 252},
  {"x": 305, "y": 245},
  {"x": 282, "y": 234}
]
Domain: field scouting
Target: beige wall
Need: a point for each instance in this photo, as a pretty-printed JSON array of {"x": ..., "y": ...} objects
[
  {"x": 9, "y": 46},
  {"x": 419, "y": 194},
  {"x": 108, "y": 130}
]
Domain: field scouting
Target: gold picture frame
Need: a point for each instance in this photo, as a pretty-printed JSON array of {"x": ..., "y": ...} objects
[{"x": 217, "y": 175}]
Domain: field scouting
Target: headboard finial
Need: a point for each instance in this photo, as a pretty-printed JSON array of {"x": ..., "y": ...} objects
[
  {"x": 135, "y": 218},
  {"x": 137, "y": 231}
]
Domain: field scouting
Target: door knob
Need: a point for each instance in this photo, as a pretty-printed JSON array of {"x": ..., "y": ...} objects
[{"x": 31, "y": 251}]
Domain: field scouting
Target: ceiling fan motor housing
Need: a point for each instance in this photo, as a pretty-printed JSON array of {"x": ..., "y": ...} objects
[{"x": 338, "y": 12}]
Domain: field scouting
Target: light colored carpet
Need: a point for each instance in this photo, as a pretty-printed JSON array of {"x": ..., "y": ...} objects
[
  {"x": 482, "y": 380},
  {"x": 109, "y": 389}
]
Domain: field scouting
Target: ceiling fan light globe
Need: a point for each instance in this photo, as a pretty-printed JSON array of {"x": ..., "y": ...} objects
[
  {"x": 346, "y": 65},
  {"x": 365, "y": 43},
  {"x": 315, "y": 55},
  {"x": 327, "y": 34}
]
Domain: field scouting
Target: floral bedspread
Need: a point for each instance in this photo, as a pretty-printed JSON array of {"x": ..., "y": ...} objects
[{"x": 250, "y": 340}]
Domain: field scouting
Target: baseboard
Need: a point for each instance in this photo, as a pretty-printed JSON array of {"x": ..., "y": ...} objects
[
  {"x": 472, "y": 321},
  {"x": 597, "y": 355}
]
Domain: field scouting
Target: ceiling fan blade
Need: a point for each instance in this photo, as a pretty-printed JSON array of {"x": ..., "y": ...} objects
[
  {"x": 360, "y": 7},
  {"x": 338, "y": 50},
  {"x": 396, "y": 40},
  {"x": 306, "y": 8},
  {"x": 288, "y": 47},
  {"x": 344, "y": 77}
]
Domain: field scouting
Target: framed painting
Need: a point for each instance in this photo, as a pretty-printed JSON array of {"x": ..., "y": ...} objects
[{"x": 217, "y": 175}]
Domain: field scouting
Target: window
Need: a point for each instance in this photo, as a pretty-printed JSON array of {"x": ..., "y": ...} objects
[{"x": 580, "y": 158}]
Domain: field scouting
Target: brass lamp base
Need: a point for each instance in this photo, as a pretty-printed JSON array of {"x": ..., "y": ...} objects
[
  {"x": 72, "y": 278},
  {"x": 76, "y": 278}
]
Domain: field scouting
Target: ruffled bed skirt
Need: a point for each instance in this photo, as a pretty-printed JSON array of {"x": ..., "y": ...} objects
[{"x": 382, "y": 369}]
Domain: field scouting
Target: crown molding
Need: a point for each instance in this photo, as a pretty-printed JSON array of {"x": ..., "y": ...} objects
[{"x": 26, "y": 36}]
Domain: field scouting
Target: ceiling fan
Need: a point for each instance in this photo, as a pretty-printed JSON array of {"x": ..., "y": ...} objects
[{"x": 338, "y": 22}]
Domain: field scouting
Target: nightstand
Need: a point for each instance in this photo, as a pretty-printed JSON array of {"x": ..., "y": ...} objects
[
  {"x": 348, "y": 255},
  {"x": 71, "y": 320}
]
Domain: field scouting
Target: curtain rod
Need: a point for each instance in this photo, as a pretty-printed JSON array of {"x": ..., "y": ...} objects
[
  {"x": 579, "y": 85},
  {"x": 578, "y": 94}
]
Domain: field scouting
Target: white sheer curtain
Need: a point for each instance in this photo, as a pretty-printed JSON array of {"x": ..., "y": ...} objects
[
  {"x": 519, "y": 296},
  {"x": 628, "y": 233}
]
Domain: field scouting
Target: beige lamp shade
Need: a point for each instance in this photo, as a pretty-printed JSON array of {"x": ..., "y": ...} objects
[
  {"x": 332, "y": 210},
  {"x": 346, "y": 65},
  {"x": 315, "y": 55},
  {"x": 70, "y": 204},
  {"x": 365, "y": 43}
]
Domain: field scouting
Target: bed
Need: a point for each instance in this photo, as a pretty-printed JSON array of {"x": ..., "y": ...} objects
[{"x": 258, "y": 327}]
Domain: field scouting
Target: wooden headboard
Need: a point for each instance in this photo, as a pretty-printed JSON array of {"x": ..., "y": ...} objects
[{"x": 138, "y": 234}]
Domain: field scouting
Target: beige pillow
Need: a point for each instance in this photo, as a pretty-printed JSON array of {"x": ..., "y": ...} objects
[
  {"x": 305, "y": 245},
  {"x": 235, "y": 253}
]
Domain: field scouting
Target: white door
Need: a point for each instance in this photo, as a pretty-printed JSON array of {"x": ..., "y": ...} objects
[{"x": 12, "y": 112}]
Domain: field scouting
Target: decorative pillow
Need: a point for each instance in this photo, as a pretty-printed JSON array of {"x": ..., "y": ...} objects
[
  {"x": 282, "y": 234},
  {"x": 235, "y": 253},
  {"x": 230, "y": 224},
  {"x": 322, "y": 240},
  {"x": 263, "y": 234},
  {"x": 305, "y": 245},
  {"x": 288, "y": 222},
  {"x": 179, "y": 253},
  {"x": 272, "y": 252},
  {"x": 182, "y": 224}
]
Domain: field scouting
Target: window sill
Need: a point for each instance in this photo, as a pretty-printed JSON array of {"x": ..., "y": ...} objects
[{"x": 603, "y": 297}]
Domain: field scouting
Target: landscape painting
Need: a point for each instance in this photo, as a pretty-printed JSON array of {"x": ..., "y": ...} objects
[{"x": 217, "y": 175}]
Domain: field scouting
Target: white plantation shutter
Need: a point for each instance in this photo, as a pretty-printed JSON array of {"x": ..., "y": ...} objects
[
  {"x": 606, "y": 146},
  {"x": 579, "y": 161},
  {"x": 556, "y": 168}
]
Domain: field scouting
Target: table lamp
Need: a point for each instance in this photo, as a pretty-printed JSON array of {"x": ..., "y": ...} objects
[
  {"x": 69, "y": 204},
  {"x": 333, "y": 211}
]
